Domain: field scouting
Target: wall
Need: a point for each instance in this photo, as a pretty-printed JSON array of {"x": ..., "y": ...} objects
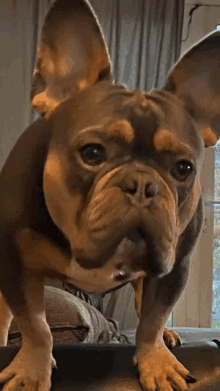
[{"x": 205, "y": 19}]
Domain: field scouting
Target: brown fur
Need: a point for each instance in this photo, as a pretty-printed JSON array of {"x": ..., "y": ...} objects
[{"x": 133, "y": 215}]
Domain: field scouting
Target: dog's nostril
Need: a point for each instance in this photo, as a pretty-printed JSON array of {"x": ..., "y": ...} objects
[
  {"x": 131, "y": 191},
  {"x": 140, "y": 188},
  {"x": 131, "y": 188},
  {"x": 150, "y": 190}
]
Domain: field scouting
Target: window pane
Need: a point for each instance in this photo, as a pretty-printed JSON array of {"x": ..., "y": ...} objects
[
  {"x": 216, "y": 245},
  {"x": 170, "y": 320}
]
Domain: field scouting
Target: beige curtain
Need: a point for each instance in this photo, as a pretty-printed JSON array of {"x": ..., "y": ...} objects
[
  {"x": 143, "y": 37},
  {"x": 19, "y": 25}
]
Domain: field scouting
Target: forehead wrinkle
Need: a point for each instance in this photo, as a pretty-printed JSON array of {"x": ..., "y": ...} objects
[
  {"x": 144, "y": 103},
  {"x": 166, "y": 105},
  {"x": 119, "y": 128},
  {"x": 164, "y": 99}
]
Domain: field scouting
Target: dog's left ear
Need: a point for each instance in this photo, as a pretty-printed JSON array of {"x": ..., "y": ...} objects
[
  {"x": 196, "y": 80},
  {"x": 71, "y": 57}
]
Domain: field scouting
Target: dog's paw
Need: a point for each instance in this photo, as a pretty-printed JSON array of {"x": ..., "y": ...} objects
[
  {"x": 171, "y": 338},
  {"x": 28, "y": 372},
  {"x": 159, "y": 370}
]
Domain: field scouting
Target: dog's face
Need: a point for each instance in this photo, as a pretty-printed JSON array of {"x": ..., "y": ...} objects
[
  {"x": 121, "y": 175},
  {"x": 121, "y": 180}
]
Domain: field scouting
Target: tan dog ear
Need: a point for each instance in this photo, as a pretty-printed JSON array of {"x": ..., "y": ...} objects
[
  {"x": 72, "y": 54},
  {"x": 196, "y": 80}
]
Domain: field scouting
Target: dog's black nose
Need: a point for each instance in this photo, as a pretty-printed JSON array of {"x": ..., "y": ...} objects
[{"x": 139, "y": 186}]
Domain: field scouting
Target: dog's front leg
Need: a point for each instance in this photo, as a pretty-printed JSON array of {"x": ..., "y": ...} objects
[
  {"x": 158, "y": 368},
  {"x": 30, "y": 370},
  {"x": 170, "y": 337}
]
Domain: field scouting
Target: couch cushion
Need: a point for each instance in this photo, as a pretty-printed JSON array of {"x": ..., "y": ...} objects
[
  {"x": 187, "y": 334},
  {"x": 194, "y": 334},
  {"x": 71, "y": 321}
]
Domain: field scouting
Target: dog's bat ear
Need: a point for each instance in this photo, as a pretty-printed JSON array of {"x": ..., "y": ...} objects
[
  {"x": 72, "y": 54},
  {"x": 196, "y": 80}
]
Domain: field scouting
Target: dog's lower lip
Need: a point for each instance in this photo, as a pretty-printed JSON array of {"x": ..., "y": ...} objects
[
  {"x": 136, "y": 235},
  {"x": 134, "y": 246}
]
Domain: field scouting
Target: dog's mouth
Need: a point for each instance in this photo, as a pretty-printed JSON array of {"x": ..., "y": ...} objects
[
  {"x": 135, "y": 256},
  {"x": 139, "y": 251},
  {"x": 133, "y": 247},
  {"x": 119, "y": 244},
  {"x": 136, "y": 235}
]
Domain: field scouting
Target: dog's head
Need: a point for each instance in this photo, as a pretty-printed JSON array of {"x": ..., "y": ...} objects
[{"x": 121, "y": 179}]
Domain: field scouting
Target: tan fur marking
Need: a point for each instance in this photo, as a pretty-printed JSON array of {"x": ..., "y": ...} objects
[
  {"x": 138, "y": 287},
  {"x": 209, "y": 136},
  {"x": 44, "y": 103},
  {"x": 165, "y": 140},
  {"x": 83, "y": 84},
  {"x": 122, "y": 128}
]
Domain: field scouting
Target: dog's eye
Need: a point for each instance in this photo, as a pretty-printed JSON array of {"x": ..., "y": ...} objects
[
  {"x": 93, "y": 154},
  {"x": 182, "y": 170}
]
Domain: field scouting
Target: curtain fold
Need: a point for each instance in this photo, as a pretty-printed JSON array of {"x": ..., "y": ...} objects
[
  {"x": 143, "y": 37},
  {"x": 20, "y": 25}
]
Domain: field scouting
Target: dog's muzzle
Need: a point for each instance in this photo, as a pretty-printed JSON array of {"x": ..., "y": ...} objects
[{"x": 130, "y": 223}]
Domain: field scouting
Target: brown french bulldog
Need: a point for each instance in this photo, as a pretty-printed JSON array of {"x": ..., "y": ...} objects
[{"x": 103, "y": 190}]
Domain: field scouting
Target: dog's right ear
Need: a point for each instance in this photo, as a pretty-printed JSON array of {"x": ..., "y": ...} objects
[
  {"x": 195, "y": 79},
  {"x": 72, "y": 55}
]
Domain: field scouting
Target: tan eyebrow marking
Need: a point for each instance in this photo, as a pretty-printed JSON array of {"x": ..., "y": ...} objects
[
  {"x": 123, "y": 129},
  {"x": 165, "y": 140},
  {"x": 209, "y": 136}
]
